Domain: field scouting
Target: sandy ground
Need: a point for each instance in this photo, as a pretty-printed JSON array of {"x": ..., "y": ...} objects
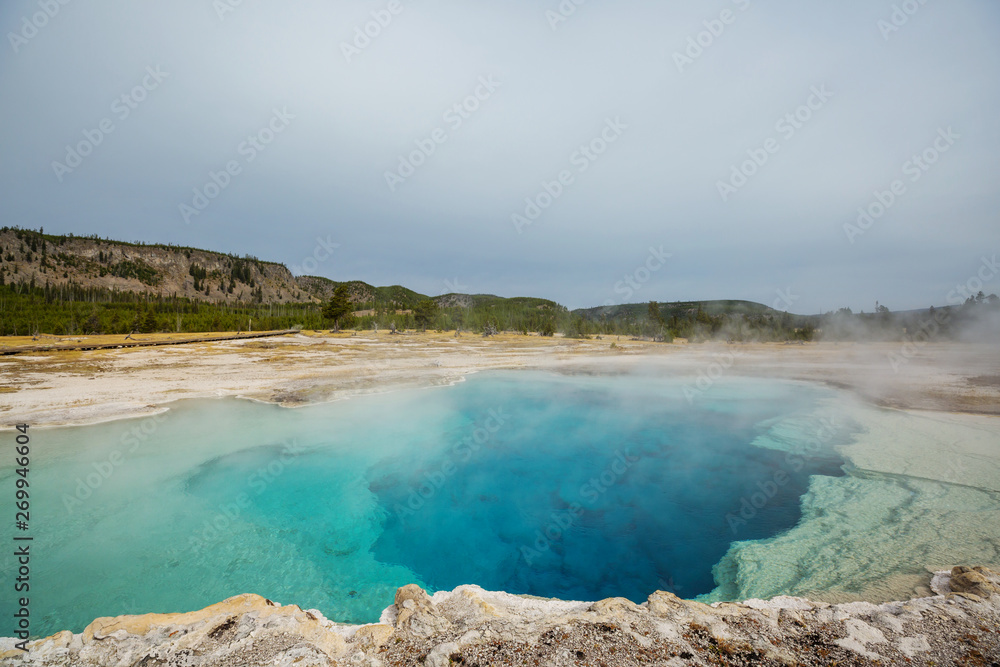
[{"x": 77, "y": 387}]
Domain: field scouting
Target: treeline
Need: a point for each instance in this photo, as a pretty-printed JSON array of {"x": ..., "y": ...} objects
[
  {"x": 479, "y": 314},
  {"x": 68, "y": 308},
  {"x": 72, "y": 309},
  {"x": 490, "y": 314},
  {"x": 977, "y": 319},
  {"x": 737, "y": 321},
  {"x": 76, "y": 310}
]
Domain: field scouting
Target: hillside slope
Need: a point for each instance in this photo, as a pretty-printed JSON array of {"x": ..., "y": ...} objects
[
  {"x": 361, "y": 292},
  {"x": 640, "y": 311},
  {"x": 70, "y": 284},
  {"x": 200, "y": 275}
]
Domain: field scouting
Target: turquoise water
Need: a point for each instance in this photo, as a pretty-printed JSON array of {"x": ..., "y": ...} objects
[{"x": 559, "y": 486}]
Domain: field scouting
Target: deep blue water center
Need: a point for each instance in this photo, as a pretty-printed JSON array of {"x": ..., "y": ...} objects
[
  {"x": 589, "y": 489},
  {"x": 577, "y": 487}
]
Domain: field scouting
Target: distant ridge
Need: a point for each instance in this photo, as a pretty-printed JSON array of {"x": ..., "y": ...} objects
[
  {"x": 52, "y": 278},
  {"x": 169, "y": 270}
]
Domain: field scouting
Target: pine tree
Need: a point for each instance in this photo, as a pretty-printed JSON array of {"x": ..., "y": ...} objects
[
  {"x": 338, "y": 307},
  {"x": 425, "y": 312},
  {"x": 149, "y": 323}
]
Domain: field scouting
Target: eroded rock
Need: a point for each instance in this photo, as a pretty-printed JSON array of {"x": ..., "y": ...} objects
[{"x": 472, "y": 626}]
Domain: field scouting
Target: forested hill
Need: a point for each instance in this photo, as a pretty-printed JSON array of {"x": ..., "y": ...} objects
[
  {"x": 35, "y": 259},
  {"x": 81, "y": 285},
  {"x": 78, "y": 285},
  {"x": 739, "y": 320}
]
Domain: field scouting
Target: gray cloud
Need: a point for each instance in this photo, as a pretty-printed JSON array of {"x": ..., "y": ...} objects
[{"x": 324, "y": 174}]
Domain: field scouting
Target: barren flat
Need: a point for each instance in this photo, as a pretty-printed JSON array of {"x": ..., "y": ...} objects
[{"x": 77, "y": 387}]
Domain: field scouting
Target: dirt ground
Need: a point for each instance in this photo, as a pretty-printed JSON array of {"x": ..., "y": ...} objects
[{"x": 61, "y": 387}]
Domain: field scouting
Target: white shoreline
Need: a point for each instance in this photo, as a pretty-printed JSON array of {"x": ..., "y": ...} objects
[{"x": 100, "y": 386}]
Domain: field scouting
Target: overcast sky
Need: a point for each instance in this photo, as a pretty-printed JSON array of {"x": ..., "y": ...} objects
[{"x": 318, "y": 123}]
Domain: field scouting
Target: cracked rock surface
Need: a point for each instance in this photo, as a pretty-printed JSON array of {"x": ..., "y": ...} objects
[{"x": 469, "y": 626}]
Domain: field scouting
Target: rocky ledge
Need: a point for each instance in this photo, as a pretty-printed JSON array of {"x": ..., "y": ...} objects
[{"x": 469, "y": 626}]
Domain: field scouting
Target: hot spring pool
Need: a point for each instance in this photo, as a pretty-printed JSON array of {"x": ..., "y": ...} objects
[{"x": 576, "y": 487}]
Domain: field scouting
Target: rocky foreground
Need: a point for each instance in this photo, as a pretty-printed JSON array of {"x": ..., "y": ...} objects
[{"x": 470, "y": 626}]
